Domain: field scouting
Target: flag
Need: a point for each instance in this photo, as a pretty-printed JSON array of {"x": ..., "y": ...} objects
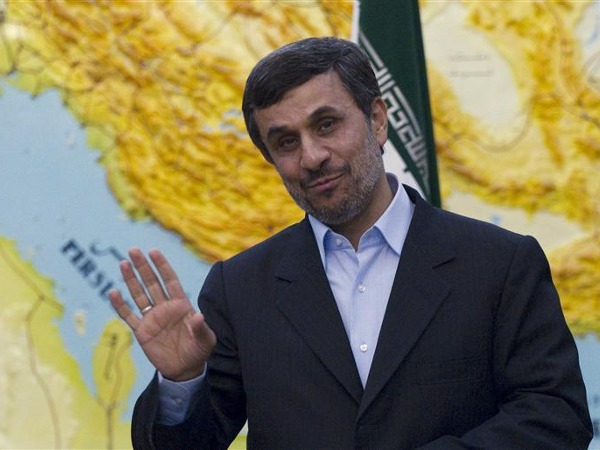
[{"x": 390, "y": 33}]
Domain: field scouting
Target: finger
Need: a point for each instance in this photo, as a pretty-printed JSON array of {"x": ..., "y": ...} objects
[
  {"x": 122, "y": 309},
  {"x": 151, "y": 281},
  {"x": 168, "y": 275},
  {"x": 135, "y": 288}
]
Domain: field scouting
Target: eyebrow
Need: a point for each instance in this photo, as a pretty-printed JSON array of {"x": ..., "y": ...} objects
[
  {"x": 281, "y": 129},
  {"x": 275, "y": 131}
]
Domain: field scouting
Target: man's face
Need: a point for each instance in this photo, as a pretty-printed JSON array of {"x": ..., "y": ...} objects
[{"x": 325, "y": 149}]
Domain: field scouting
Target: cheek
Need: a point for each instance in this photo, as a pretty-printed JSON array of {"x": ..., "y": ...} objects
[{"x": 286, "y": 169}]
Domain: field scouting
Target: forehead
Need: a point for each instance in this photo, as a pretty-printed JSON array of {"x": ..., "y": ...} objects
[
  {"x": 322, "y": 92},
  {"x": 325, "y": 83}
]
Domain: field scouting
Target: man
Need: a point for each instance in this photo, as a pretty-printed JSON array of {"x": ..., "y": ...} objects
[{"x": 377, "y": 322}]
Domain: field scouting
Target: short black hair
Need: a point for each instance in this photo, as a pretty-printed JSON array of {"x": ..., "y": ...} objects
[{"x": 296, "y": 63}]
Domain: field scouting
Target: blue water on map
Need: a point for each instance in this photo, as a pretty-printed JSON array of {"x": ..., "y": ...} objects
[{"x": 53, "y": 191}]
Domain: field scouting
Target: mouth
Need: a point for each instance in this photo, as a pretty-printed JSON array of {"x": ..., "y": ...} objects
[{"x": 324, "y": 183}]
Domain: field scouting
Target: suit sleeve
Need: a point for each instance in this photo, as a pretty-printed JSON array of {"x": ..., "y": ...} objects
[
  {"x": 538, "y": 382},
  {"x": 217, "y": 411}
]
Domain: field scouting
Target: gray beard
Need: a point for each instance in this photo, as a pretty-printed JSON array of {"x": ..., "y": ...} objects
[{"x": 370, "y": 165}]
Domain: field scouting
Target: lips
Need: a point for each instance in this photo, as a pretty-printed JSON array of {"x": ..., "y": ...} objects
[{"x": 324, "y": 183}]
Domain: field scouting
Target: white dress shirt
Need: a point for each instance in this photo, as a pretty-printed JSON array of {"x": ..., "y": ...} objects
[{"x": 361, "y": 280}]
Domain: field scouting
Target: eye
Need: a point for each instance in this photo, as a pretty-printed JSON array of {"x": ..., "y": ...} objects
[
  {"x": 327, "y": 125},
  {"x": 287, "y": 143}
]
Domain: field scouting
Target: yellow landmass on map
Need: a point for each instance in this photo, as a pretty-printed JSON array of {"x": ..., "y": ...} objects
[
  {"x": 45, "y": 403},
  {"x": 158, "y": 86},
  {"x": 550, "y": 159}
]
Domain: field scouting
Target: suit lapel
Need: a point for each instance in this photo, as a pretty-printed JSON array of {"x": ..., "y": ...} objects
[
  {"x": 305, "y": 299},
  {"x": 416, "y": 295}
]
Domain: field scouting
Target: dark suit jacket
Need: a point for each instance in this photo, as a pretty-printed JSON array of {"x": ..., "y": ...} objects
[{"x": 473, "y": 352}]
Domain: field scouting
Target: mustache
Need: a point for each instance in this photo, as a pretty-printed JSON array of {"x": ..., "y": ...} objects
[{"x": 323, "y": 172}]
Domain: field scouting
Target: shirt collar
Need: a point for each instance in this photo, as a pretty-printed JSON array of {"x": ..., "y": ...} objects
[{"x": 393, "y": 223}]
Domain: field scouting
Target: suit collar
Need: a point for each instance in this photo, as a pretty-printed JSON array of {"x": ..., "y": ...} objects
[{"x": 305, "y": 299}]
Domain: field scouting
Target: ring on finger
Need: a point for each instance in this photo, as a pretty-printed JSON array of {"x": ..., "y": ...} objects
[{"x": 146, "y": 309}]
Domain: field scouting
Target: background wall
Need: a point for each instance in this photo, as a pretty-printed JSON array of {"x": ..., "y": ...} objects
[{"x": 120, "y": 126}]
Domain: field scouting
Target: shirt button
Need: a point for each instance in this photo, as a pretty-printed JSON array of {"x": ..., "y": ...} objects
[
  {"x": 178, "y": 401},
  {"x": 338, "y": 241},
  {"x": 364, "y": 347},
  {"x": 362, "y": 288}
]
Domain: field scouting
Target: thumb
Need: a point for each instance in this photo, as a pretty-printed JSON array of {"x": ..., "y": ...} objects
[{"x": 205, "y": 337}]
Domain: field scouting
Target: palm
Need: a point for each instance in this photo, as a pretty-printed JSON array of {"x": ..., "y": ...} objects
[{"x": 172, "y": 334}]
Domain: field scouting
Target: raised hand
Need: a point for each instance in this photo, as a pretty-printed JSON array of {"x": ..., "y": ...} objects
[{"x": 173, "y": 335}]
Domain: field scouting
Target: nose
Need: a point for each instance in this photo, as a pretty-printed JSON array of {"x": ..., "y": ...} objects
[{"x": 314, "y": 154}]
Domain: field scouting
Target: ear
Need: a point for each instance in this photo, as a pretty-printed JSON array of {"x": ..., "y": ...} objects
[{"x": 379, "y": 120}]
